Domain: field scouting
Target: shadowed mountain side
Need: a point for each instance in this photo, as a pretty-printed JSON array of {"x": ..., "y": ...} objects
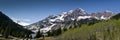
[{"x": 8, "y": 27}]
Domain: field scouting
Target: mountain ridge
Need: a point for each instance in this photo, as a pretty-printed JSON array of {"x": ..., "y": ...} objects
[{"x": 65, "y": 19}]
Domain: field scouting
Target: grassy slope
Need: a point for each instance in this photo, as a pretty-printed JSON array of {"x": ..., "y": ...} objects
[{"x": 105, "y": 30}]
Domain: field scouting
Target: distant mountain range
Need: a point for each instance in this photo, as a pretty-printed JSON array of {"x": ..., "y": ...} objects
[
  {"x": 69, "y": 19},
  {"x": 23, "y": 23}
]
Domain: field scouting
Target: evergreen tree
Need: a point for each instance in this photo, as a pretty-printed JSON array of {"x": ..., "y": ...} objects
[
  {"x": 117, "y": 16},
  {"x": 38, "y": 34}
]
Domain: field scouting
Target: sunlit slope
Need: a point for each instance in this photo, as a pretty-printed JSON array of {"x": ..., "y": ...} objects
[{"x": 105, "y": 30}]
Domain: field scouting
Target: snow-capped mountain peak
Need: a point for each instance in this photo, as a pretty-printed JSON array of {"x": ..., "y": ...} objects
[
  {"x": 70, "y": 11},
  {"x": 68, "y": 19},
  {"x": 80, "y": 9}
]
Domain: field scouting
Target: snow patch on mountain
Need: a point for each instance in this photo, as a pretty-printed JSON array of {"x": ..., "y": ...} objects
[
  {"x": 46, "y": 29},
  {"x": 104, "y": 18},
  {"x": 70, "y": 11},
  {"x": 23, "y": 23},
  {"x": 96, "y": 18},
  {"x": 20, "y": 22},
  {"x": 108, "y": 11},
  {"x": 60, "y": 17},
  {"x": 83, "y": 17}
]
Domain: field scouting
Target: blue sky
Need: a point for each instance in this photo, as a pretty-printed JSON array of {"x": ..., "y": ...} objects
[{"x": 34, "y": 10}]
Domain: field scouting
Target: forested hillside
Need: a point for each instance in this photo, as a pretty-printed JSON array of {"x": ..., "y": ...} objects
[
  {"x": 8, "y": 27},
  {"x": 104, "y": 30}
]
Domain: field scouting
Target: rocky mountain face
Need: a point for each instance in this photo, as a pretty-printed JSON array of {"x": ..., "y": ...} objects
[
  {"x": 68, "y": 19},
  {"x": 103, "y": 15},
  {"x": 8, "y": 27}
]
